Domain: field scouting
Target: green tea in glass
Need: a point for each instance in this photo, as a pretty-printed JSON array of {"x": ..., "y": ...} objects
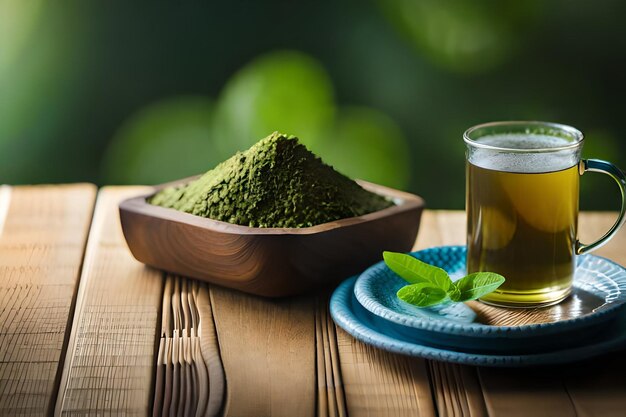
[{"x": 522, "y": 208}]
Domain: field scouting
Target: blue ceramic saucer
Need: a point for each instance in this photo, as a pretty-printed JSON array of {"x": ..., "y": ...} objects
[
  {"x": 348, "y": 314},
  {"x": 599, "y": 293}
]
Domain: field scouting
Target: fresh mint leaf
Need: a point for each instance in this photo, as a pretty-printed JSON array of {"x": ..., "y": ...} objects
[
  {"x": 422, "y": 294},
  {"x": 476, "y": 285},
  {"x": 415, "y": 271},
  {"x": 454, "y": 293},
  {"x": 430, "y": 285}
]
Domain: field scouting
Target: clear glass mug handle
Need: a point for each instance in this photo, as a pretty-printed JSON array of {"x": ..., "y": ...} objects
[{"x": 597, "y": 165}]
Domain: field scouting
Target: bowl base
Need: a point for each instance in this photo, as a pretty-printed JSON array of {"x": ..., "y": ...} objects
[{"x": 512, "y": 299}]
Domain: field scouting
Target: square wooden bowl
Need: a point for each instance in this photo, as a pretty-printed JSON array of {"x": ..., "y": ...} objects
[{"x": 272, "y": 262}]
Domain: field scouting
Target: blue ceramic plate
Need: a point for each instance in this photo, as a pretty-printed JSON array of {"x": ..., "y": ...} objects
[
  {"x": 599, "y": 293},
  {"x": 358, "y": 322}
]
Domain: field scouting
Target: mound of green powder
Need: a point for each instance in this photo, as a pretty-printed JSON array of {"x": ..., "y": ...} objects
[{"x": 278, "y": 182}]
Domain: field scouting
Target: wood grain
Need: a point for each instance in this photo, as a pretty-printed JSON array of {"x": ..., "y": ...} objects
[
  {"x": 281, "y": 357},
  {"x": 268, "y": 353},
  {"x": 575, "y": 389},
  {"x": 554, "y": 391},
  {"x": 111, "y": 353},
  {"x": 43, "y": 230},
  {"x": 5, "y": 202},
  {"x": 331, "y": 398},
  {"x": 189, "y": 378},
  {"x": 536, "y": 392},
  {"x": 272, "y": 262},
  {"x": 456, "y": 388},
  {"x": 598, "y": 387},
  {"x": 378, "y": 383},
  {"x": 579, "y": 303}
]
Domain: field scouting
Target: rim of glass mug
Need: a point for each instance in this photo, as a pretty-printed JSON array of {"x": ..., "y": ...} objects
[
  {"x": 569, "y": 133},
  {"x": 575, "y": 137}
]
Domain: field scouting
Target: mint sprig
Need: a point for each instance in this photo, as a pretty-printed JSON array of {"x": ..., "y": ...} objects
[
  {"x": 430, "y": 285},
  {"x": 415, "y": 271},
  {"x": 422, "y": 294}
]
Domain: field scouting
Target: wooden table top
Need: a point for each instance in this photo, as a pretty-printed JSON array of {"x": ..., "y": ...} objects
[{"x": 86, "y": 330}]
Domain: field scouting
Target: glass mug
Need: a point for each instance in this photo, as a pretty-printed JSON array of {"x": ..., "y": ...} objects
[{"x": 522, "y": 208}]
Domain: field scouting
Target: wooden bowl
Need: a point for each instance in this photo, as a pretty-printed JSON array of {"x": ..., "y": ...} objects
[{"x": 271, "y": 262}]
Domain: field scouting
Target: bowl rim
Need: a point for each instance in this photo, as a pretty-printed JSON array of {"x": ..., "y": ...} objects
[
  {"x": 375, "y": 307},
  {"x": 346, "y": 315},
  {"x": 403, "y": 201}
]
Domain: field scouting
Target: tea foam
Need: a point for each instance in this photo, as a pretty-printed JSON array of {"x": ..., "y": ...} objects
[{"x": 523, "y": 162}]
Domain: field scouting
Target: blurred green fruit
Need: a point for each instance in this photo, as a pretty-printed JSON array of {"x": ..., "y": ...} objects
[
  {"x": 367, "y": 144},
  {"x": 463, "y": 36},
  {"x": 40, "y": 73},
  {"x": 165, "y": 141},
  {"x": 282, "y": 91},
  {"x": 18, "y": 20}
]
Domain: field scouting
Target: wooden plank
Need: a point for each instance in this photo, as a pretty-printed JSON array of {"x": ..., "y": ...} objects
[
  {"x": 330, "y": 395},
  {"x": 378, "y": 383},
  {"x": 111, "y": 353},
  {"x": 268, "y": 352},
  {"x": 43, "y": 230},
  {"x": 522, "y": 392},
  {"x": 598, "y": 387},
  {"x": 456, "y": 388},
  {"x": 511, "y": 393},
  {"x": 188, "y": 361},
  {"x": 505, "y": 392},
  {"x": 594, "y": 387}
]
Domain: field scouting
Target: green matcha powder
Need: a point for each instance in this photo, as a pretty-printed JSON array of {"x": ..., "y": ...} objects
[{"x": 278, "y": 182}]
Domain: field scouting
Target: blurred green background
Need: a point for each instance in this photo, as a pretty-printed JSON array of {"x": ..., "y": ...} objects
[{"x": 146, "y": 92}]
